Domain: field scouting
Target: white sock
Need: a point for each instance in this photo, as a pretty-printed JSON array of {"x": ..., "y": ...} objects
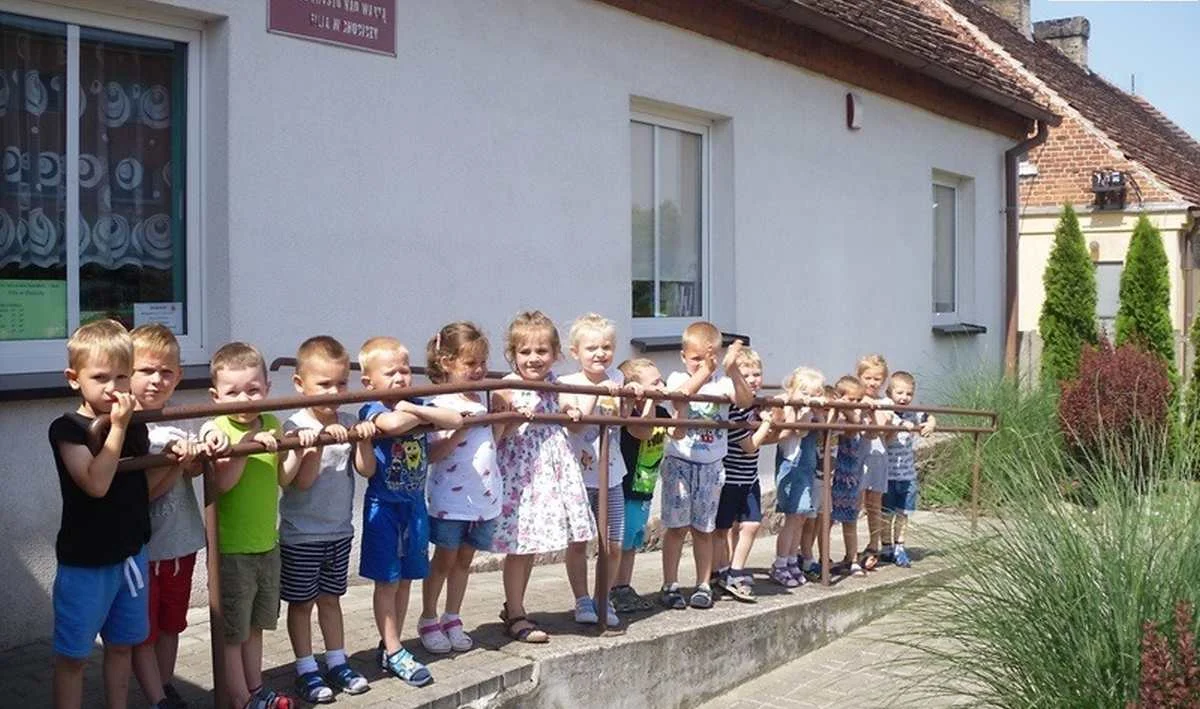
[
  {"x": 793, "y": 560},
  {"x": 781, "y": 561},
  {"x": 304, "y": 665},
  {"x": 335, "y": 658},
  {"x": 447, "y": 617},
  {"x": 722, "y": 571}
]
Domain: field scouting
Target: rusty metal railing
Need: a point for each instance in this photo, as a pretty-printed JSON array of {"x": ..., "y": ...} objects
[{"x": 827, "y": 429}]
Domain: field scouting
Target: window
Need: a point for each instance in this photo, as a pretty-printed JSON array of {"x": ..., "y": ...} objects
[
  {"x": 669, "y": 165},
  {"x": 945, "y": 249},
  {"x": 97, "y": 216},
  {"x": 1108, "y": 295}
]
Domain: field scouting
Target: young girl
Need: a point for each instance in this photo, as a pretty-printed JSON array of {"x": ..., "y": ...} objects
[
  {"x": 592, "y": 344},
  {"x": 795, "y": 475},
  {"x": 847, "y": 472},
  {"x": 872, "y": 371},
  {"x": 464, "y": 486},
  {"x": 544, "y": 504}
]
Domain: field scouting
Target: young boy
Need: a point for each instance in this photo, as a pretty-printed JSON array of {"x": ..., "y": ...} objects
[
  {"x": 395, "y": 537},
  {"x": 248, "y": 506},
  {"x": 98, "y": 587},
  {"x": 315, "y": 528},
  {"x": 642, "y": 449},
  {"x": 741, "y": 496},
  {"x": 176, "y": 528},
  {"x": 692, "y": 471},
  {"x": 901, "y": 499}
]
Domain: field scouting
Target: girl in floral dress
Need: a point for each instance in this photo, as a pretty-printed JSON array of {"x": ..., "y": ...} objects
[{"x": 544, "y": 505}]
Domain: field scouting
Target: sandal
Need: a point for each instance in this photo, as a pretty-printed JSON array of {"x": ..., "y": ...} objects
[
  {"x": 530, "y": 633},
  {"x": 868, "y": 559},
  {"x": 741, "y": 589}
]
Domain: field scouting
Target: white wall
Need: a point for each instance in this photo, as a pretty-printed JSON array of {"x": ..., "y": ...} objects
[{"x": 486, "y": 169}]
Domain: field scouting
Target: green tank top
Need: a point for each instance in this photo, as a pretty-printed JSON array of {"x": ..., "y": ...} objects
[{"x": 249, "y": 510}]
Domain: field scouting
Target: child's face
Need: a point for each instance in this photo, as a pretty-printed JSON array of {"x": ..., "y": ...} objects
[
  {"x": 470, "y": 365},
  {"x": 388, "y": 370},
  {"x": 594, "y": 351},
  {"x": 753, "y": 375},
  {"x": 694, "y": 354},
  {"x": 534, "y": 355},
  {"x": 872, "y": 379},
  {"x": 902, "y": 392},
  {"x": 246, "y": 384},
  {"x": 97, "y": 382},
  {"x": 155, "y": 376},
  {"x": 649, "y": 377},
  {"x": 318, "y": 375}
]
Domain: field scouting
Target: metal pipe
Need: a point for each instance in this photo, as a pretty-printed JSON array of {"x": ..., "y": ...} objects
[
  {"x": 826, "y": 517},
  {"x": 216, "y": 616},
  {"x": 975, "y": 476},
  {"x": 602, "y": 541},
  {"x": 1012, "y": 241}
]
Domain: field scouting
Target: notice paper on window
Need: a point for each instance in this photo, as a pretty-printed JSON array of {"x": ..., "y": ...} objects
[
  {"x": 169, "y": 315},
  {"x": 32, "y": 309}
]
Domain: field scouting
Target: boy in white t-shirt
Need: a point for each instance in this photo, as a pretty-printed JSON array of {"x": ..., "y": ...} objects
[{"x": 692, "y": 471}]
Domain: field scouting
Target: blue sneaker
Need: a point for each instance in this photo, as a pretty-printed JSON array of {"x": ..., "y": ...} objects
[
  {"x": 405, "y": 666},
  {"x": 902, "y": 557},
  {"x": 347, "y": 680},
  {"x": 887, "y": 555},
  {"x": 312, "y": 688}
]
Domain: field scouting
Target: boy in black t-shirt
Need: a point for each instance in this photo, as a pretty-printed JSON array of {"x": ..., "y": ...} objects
[
  {"x": 642, "y": 449},
  {"x": 100, "y": 584}
]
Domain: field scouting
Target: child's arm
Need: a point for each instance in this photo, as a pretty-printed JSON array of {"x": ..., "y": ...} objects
[
  {"x": 160, "y": 480},
  {"x": 301, "y": 466},
  {"x": 761, "y": 436},
  {"x": 585, "y": 404},
  {"x": 928, "y": 425},
  {"x": 642, "y": 432},
  {"x": 364, "y": 449},
  {"x": 94, "y": 474},
  {"x": 436, "y": 416},
  {"x": 743, "y": 396}
]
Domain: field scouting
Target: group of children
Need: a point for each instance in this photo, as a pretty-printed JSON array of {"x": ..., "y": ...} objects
[{"x": 128, "y": 541}]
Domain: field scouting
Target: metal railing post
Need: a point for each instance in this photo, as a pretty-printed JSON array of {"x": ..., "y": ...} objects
[
  {"x": 826, "y": 515},
  {"x": 216, "y": 617},
  {"x": 602, "y": 542},
  {"x": 975, "y": 479}
]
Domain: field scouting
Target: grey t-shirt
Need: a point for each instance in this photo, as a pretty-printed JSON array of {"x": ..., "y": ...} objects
[
  {"x": 176, "y": 528},
  {"x": 321, "y": 513}
]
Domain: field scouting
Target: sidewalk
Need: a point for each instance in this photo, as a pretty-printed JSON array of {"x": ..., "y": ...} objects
[{"x": 497, "y": 664}]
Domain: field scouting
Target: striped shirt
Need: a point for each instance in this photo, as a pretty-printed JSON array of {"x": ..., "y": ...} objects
[
  {"x": 741, "y": 468},
  {"x": 902, "y": 464}
]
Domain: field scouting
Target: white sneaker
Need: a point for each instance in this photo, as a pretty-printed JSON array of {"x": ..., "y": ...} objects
[
  {"x": 433, "y": 637},
  {"x": 585, "y": 611},
  {"x": 459, "y": 640}
]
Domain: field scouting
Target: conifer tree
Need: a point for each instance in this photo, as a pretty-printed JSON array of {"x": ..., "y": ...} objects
[
  {"x": 1144, "y": 315},
  {"x": 1068, "y": 319}
]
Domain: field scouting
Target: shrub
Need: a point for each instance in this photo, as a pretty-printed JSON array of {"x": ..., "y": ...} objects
[
  {"x": 1068, "y": 319},
  {"x": 1144, "y": 315},
  {"x": 1119, "y": 392},
  {"x": 1170, "y": 676}
]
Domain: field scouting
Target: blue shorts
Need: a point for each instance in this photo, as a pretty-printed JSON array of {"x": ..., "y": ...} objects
[
  {"x": 637, "y": 515},
  {"x": 395, "y": 540},
  {"x": 794, "y": 490},
  {"x": 453, "y": 533},
  {"x": 104, "y": 600},
  {"x": 739, "y": 503},
  {"x": 901, "y": 497}
]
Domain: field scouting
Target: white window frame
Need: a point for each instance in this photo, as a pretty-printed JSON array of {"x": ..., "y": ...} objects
[
  {"x": 665, "y": 326},
  {"x": 19, "y": 357},
  {"x": 951, "y": 316}
]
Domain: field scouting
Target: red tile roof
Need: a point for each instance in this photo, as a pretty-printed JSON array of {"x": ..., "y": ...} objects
[{"x": 1141, "y": 132}]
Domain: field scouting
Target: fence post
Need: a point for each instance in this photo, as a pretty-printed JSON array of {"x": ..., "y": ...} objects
[
  {"x": 216, "y": 618},
  {"x": 823, "y": 540},
  {"x": 602, "y": 570},
  {"x": 975, "y": 465}
]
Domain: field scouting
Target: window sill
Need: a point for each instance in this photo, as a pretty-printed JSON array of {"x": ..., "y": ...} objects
[
  {"x": 959, "y": 328},
  {"x": 52, "y": 385},
  {"x": 675, "y": 342}
]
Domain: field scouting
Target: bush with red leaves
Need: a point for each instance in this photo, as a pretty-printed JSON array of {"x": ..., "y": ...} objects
[
  {"x": 1120, "y": 391},
  {"x": 1170, "y": 677}
]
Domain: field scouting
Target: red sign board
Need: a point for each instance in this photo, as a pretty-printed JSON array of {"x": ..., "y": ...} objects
[{"x": 369, "y": 25}]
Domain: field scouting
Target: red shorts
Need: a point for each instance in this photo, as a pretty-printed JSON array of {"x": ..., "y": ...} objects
[{"x": 170, "y": 592}]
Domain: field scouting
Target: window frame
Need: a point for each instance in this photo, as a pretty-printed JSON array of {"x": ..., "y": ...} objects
[
  {"x": 664, "y": 326},
  {"x": 954, "y": 315},
  {"x": 30, "y": 356}
]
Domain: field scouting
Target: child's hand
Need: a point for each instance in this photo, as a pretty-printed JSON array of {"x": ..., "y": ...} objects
[
  {"x": 572, "y": 412},
  {"x": 338, "y": 431},
  {"x": 215, "y": 442},
  {"x": 122, "y": 409},
  {"x": 770, "y": 417},
  {"x": 636, "y": 390},
  {"x": 731, "y": 356},
  {"x": 613, "y": 388},
  {"x": 365, "y": 430},
  {"x": 271, "y": 443},
  {"x": 404, "y": 406},
  {"x": 183, "y": 451},
  {"x": 529, "y": 411},
  {"x": 907, "y": 425},
  {"x": 928, "y": 427},
  {"x": 307, "y": 436}
]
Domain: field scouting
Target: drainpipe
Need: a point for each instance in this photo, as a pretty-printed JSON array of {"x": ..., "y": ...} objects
[
  {"x": 1012, "y": 241},
  {"x": 1189, "y": 248}
]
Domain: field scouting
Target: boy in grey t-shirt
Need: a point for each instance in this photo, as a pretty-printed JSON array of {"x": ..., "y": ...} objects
[{"x": 315, "y": 529}]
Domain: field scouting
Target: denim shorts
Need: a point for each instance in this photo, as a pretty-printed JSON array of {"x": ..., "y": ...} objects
[
  {"x": 901, "y": 497},
  {"x": 395, "y": 540},
  {"x": 110, "y": 601},
  {"x": 794, "y": 490},
  {"x": 637, "y": 515},
  {"x": 453, "y": 533}
]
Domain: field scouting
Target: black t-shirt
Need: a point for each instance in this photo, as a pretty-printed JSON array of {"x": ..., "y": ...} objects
[
  {"x": 98, "y": 531},
  {"x": 642, "y": 459}
]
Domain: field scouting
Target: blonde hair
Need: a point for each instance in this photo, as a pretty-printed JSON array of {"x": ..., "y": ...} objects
[
  {"x": 703, "y": 334},
  {"x": 449, "y": 343},
  {"x": 376, "y": 346},
  {"x": 236, "y": 355},
  {"x": 591, "y": 322},
  {"x": 902, "y": 376},
  {"x": 321, "y": 347},
  {"x": 155, "y": 338},
  {"x": 525, "y": 325},
  {"x": 805, "y": 380},
  {"x": 849, "y": 383},
  {"x": 106, "y": 340},
  {"x": 750, "y": 357},
  {"x": 871, "y": 361},
  {"x": 632, "y": 368}
]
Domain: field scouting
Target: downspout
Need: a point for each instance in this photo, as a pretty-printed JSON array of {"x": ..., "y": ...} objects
[
  {"x": 1012, "y": 239},
  {"x": 1189, "y": 248}
]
